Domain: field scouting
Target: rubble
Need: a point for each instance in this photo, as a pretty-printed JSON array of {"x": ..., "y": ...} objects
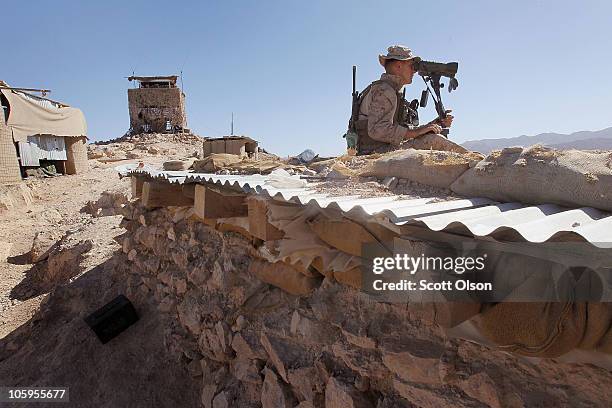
[
  {"x": 140, "y": 146},
  {"x": 110, "y": 203}
]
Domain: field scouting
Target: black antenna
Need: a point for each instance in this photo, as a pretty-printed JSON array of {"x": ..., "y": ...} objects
[
  {"x": 182, "y": 88},
  {"x": 232, "y": 124},
  {"x": 354, "y": 78}
]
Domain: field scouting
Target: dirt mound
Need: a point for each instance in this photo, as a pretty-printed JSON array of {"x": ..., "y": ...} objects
[
  {"x": 146, "y": 145},
  {"x": 542, "y": 175}
]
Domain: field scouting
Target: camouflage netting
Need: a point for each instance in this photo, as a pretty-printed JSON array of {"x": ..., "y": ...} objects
[{"x": 541, "y": 175}]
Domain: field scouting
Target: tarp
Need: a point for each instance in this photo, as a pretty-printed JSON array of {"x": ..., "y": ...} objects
[{"x": 29, "y": 117}]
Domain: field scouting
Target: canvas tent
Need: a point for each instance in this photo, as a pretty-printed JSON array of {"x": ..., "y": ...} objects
[{"x": 39, "y": 130}]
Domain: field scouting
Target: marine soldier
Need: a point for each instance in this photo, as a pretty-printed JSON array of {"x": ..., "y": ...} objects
[{"x": 386, "y": 121}]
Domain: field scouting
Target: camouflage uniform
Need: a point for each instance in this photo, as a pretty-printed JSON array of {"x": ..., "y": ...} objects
[
  {"x": 384, "y": 116},
  {"x": 378, "y": 127}
]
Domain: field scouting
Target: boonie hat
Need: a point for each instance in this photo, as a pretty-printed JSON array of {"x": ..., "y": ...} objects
[{"x": 397, "y": 52}]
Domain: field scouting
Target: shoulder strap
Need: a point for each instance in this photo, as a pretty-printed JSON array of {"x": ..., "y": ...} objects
[{"x": 380, "y": 81}]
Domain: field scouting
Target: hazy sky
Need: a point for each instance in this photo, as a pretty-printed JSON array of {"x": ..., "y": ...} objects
[{"x": 284, "y": 67}]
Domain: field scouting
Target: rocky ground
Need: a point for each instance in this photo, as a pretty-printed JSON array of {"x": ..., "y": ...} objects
[{"x": 140, "y": 146}]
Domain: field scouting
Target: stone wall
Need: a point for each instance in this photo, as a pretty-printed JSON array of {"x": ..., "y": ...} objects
[
  {"x": 254, "y": 344},
  {"x": 153, "y": 106}
]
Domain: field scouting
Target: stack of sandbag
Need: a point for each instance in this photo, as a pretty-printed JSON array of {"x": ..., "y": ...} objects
[
  {"x": 434, "y": 142},
  {"x": 177, "y": 165},
  {"x": 430, "y": 167},
  {"x": 215, "y": 162},
  {"x": 540, "y": 175}
]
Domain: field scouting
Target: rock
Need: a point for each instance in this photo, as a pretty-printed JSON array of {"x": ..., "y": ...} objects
[
  {"x": 180, "y": 286},
  {"x": 43, "y": 241},
  {"x": 390, "y": 182},
  {"x": 133, "y": 155},
  {"x": 245, "y": 371},
  {"x": 64, "y": 261},
  {"x": 295, "y": 321},
  {"x": 362, "y": 383},
  {"x": 239, "y": 324},
  {"x": 194, "y": 368},
  {"x": 340, "y": 395},
  {"x": 421, "y": 397},
  {"x": 177, "y": 165},
  {"x": 339, "y": 172},
  {"x": 95, "y": 153},
  {"x": 221, "y": 401},
  {"x": 211, "y": 345},
  {"x": 412, "y": 368},
  {"x": 273, "y": 393},
  {"x": 283, "y": 353},
  {"x": 306, "y": 382},
  {"x": 189, "y": 314},
  {"x": 153, "y": 150},
  {"x": 308, "y": 172},
  {"x": 224, "y": 334},
  {"x": 110, "y": 203},
  {"x": 243, "y": 349},
  {"x": 482, "y": 388}
]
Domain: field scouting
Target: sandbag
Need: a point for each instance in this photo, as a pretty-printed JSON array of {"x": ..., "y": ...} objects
[
  {"x": 284, "y": 276},
  {"x": 430, "y": 167},
  {"x": 541, "y": 175},
  {"x": 547, "y": 329},
  {"x": 177, "y": 165},
  {"x": 216, "y": 161},
  {"x": 432, "y": 141}
]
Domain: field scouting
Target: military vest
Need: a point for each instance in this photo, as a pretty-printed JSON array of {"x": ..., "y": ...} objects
[{"x": 404, "y": 115}]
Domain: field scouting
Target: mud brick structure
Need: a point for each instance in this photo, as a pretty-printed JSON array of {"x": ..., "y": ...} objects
[
  {"x": 240, "y": 145},
  {"x": 156, "y": 105}
]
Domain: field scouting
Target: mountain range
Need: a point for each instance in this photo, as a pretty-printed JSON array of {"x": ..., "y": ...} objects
[{"x": 584, "y": 140}]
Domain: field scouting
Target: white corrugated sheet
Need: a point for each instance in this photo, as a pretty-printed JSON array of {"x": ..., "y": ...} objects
[{"x": 477, "y": 216}]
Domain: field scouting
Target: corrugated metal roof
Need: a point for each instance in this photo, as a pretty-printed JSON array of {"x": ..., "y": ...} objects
[{"x": 477, "y": 216}]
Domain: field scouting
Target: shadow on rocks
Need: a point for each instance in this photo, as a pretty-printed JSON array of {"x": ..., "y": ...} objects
[{"x": 56, "y": 347}]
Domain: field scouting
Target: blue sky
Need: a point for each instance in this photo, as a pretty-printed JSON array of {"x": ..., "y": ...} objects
[{"x": 284, "y": 67}]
